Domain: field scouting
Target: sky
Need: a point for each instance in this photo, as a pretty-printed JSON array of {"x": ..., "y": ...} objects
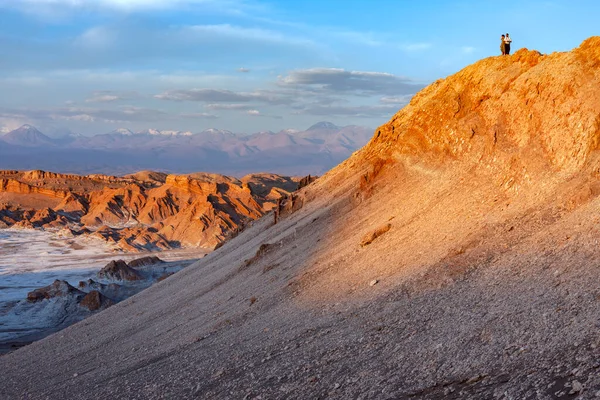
[{"x": 91, "y": 66}]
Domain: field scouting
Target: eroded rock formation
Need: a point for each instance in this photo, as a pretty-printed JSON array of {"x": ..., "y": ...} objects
[{"x": 143, "y": 211}]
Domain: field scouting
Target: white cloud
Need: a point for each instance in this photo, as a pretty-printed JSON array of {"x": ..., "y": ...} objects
[
  {"x": 97, "y": 37},
  {"x": 254, "y": 113},
  {"x": 199, "y": 115},
  {"x": 395, "y": 99},
  {"x": 228, "y": 106},
  {"x": 222, "y": 95},
  {"x": 240, "y": 33},
  {"x": 122, "y": 5},
  {"x": 109, "y": 96},
  {"x": 412, "y": 47}
]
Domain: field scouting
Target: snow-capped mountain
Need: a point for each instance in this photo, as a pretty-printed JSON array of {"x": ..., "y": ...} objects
[
  {"x": 213, "y": 131},
  {"x": 27, "y": 136},
  {"x": 121, "y": 131},
  {"x": 156, "y": 132},
  {"x": 289, "y": 151}
]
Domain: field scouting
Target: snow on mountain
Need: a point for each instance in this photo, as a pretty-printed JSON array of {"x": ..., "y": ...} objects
[
  {"x": 213, "y": 131},
  {"x": 289, "y": 131},
  {"x": 156, "y": 132},
  {"x": 27, "y": 136},
  {"x": 121, "y": 131},
  {"x": 288, "y": 151}
]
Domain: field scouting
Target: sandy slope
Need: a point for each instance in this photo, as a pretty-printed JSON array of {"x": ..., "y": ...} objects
[{"x": 485, "y": 285}]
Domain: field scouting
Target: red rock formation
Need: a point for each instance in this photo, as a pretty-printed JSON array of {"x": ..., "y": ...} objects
[{"x": 144, "y": 211}]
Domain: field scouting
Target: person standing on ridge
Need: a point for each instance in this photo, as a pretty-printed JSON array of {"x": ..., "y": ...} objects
[
  {"x": 502, "y": 45},
  {"x": 507, "y": 41}
]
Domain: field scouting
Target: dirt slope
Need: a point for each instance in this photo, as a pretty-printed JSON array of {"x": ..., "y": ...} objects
[{"x": 455, "y": 256}]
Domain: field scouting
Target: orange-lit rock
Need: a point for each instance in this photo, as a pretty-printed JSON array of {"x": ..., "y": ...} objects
[{"x": 143, "y": 211}]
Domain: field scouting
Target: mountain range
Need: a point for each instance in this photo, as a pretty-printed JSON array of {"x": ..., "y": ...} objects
[{"x": 122, "y": 151}]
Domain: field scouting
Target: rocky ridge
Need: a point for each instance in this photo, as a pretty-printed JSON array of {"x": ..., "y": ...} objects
[
  {"x": 455, "y": 256},
  {"x": 144, "y": 211}
]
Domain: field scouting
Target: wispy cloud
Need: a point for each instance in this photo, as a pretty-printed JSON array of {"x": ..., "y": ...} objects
[
  {"x": 221, "y": 95},
  {"x": 229, "y": 106},
  {"x": 395, "y": 99},
  {"x": 108, "y": 96},
  {"x": 87, "y": 114},
  {"x": 340, "y": 80},
  {"x": 414, "y": 47},
  {"x": 199, "y": 115},
  {"x": 350, "y": 111},
  {"x": 122, "y": 5},
  {"x": 257, "y": 113},
  {"x": 242, "y": 33}
]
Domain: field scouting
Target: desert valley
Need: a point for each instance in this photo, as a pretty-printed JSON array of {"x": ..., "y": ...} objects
[{"x": 454, "y": 256}]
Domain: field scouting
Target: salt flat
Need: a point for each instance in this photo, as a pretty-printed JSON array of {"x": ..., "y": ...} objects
[{"x": 31, "y": 259}]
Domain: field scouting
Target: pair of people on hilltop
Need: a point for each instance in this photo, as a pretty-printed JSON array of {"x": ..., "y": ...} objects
[{"x": 505, "y": 44}]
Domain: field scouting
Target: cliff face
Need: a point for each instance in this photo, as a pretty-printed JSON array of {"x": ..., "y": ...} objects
[
  {"x": 143, "y": 211},
  {"x": 455, "y": 256}
]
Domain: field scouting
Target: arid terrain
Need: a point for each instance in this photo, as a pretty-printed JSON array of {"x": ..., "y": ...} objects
[
  {"x": 454, "y": 256},
  {"x": 143, "y": 211}
]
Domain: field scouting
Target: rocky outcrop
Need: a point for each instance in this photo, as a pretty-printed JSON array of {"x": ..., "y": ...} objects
[
  {"x": 95, "y": 301},
  {"x": 58, "y": 288},
  {"x": 144, "y": 261},
  {"x": 307, "y": 180},
  {"x": 15, "y": 186},
  {"x": 144, "y": 211},
  {"x": 119, "y": 271}
]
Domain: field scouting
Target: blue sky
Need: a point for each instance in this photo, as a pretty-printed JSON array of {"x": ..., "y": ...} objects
[{"x": 250, "y": 65}]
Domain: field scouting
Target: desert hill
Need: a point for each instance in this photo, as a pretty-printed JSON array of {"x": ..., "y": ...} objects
[
  {"x": 142, "y": 211},
  {"x": 455, "y": 256}
]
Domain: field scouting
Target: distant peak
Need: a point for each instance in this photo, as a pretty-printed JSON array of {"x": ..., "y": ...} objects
[
  {"x": 323, "y": 125},
  {"x": 123, "y": 131},
  {"x": 217, "y": 131},
  {"x": 27, "y": 127}
]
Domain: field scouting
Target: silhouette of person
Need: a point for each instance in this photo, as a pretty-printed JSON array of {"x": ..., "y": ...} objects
[
  {"x": 502, "y": 45},
  {"x": 507, "y": 41}
]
